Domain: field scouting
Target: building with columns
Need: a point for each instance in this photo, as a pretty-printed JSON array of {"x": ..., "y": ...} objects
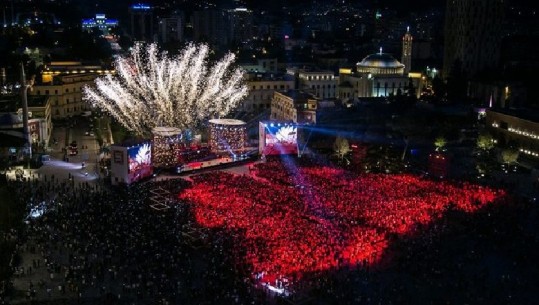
[
  {"x": 63, "y": 83},
  {"x": 322, "y": 84}
]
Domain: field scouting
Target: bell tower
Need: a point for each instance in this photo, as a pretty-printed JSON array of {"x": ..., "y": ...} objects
[{"x": 407, "y": 51}]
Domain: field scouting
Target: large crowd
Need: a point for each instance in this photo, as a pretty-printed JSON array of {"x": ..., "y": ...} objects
[
  {"x": 297, "y": 219},
  {"x": 310, "y": 229},
  {"x": 102, "y": 245}
]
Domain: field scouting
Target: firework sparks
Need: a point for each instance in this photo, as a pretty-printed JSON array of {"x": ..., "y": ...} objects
[{"x": 153, "y": 89}]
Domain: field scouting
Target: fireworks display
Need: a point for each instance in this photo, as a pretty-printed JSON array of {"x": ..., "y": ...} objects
[{"x": 152, "y": 88}]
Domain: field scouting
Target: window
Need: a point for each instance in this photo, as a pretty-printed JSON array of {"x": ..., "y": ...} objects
[
  {"x": 46, "y": 92},
  {"x": 38, "y": 92},
  {"x": 56, "y": 91},
  {"x": 67, "y": 89}
]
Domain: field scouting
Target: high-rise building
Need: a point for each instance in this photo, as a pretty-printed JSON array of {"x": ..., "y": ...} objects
[
  {"x": 473, "y": 33},
  {"x": 171, "y": 29},
  {"x": 141, "y": 16},
  {"x": 241, "y": 24},
  {"x": 211, "y": 26},
  {"x": 407, "y": 51}
]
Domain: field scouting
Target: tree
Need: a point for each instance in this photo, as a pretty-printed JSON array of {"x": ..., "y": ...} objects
[
  {"x": 485, "y": 142},
  {"x": 440, "y": 143},
  {"x": 510, "y": 155},
  {"x": 341, "y": 147}
]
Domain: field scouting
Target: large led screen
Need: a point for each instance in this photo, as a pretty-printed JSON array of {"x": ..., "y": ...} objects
[
  {"x": 140, "y": 162},
  {"x": 281, "y": 139}
]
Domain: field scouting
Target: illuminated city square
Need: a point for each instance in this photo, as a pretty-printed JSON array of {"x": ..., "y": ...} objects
[{"x": 242, "y": 152}]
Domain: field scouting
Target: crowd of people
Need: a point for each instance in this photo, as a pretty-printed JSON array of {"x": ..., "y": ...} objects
[
  {"x": 100, "y": 245},
  {"x": 300, "y": 218},
  {"x": 297, "y": 225}
]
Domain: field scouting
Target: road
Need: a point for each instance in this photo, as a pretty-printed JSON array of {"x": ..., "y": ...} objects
[{"x": 72, "y": 167}]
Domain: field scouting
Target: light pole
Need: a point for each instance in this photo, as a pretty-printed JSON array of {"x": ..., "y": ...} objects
[{"x": 25, "y": 85}]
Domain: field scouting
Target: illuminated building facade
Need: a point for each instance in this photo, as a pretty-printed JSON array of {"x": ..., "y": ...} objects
[
  {"x": 407, "y": 51},
  {"x": 377, "y": 75},
  {"x": 63, "y": 83},
  {"x": 520, "y": 127},
  {"x": 322, "y": 84},
  {"x": 294, "y": 106},
  {"x": 261, "y": 88},
  {"x": 101, "y": 23}
]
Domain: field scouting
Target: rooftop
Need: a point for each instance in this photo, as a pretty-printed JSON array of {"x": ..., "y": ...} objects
[
  {"x": 297, "y": 95},
  {"x": 380, "y": 60},
  {"x": 254, "y": 76}
]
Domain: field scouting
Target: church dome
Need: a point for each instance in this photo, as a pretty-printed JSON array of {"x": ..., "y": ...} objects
[{"x": 380, "y": 63}]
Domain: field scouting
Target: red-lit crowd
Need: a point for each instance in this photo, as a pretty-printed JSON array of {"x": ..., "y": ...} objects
[{"x": 295, "y": 217}]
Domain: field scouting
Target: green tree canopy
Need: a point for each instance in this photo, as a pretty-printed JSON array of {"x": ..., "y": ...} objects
[
  {"x": 485, "y": 141},
  {"x": 341, "y": 147}
]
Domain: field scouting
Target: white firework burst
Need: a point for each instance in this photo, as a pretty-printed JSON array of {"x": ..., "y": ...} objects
[{"x": 152, "y": 88}]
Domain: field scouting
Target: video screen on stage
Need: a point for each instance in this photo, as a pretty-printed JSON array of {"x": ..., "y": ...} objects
[
  {"x": 140, "y": 162},
  {"x": 281, "y": 139}
]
